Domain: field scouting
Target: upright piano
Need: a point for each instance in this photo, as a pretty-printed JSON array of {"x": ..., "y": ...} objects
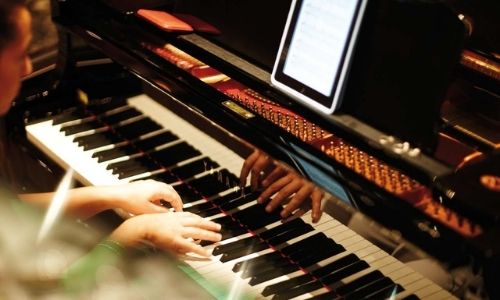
[{"x": 410, "y": 177}]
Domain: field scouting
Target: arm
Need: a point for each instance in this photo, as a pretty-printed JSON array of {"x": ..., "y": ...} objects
[{"x": 137, "y": 198}]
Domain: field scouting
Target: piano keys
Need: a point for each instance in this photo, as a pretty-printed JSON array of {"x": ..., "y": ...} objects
[
  {"x": 260, "y": 256},
  {"x": 111, "y": 141}
]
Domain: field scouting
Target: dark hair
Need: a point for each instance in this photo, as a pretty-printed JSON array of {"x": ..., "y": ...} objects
[{"x": 7, "y": 25}]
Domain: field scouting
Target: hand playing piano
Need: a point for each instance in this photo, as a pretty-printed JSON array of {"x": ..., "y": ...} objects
[
  {"x": 144, "y": 196},
  {"x": 285, "y": 184},
  {"x": 137, "y": 198},
  {"x": 173, "y": 231}
]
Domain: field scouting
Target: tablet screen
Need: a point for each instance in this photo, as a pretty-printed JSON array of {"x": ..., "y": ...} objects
[{"x": 315, "y": 50}]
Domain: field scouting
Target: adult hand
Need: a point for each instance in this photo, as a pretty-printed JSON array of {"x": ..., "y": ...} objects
[
  {"x": 285, "y": 184},
  {"x": 174, "y": 231},
  {"x": 144, "y": 196},
  {"x": 256, "y": 164}
]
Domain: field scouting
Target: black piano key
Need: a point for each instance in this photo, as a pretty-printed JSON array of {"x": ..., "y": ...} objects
[
  {"x": 142, "y": 162},
  {"x": 327, "y": 280},
  {"x": 131, "y": 168},
  {"x": 290, "y": 234},
  {"x": 187, "y": 193},
  {"x": 313, "y": 240},
  {"x": 254, "y": 268},
  {"x": 347, "y": 271},
  {"x": 96, "y": 140},
  {"x": 199, "y": 207},
  {"x": 294, "y": 251},
  {"x": 120, "y": 116},
  {"x": 302, "y": 279},
  {"x": 229, "y": 229},
  {"x": 315, "y": 257},
  {"x": 110, "y": 154},
  {"x": 166, "y": 177},
  {"x": 76, "y": 114},
  {"x": 209, "y": 184},
  {"x": 154, "y": 141},
  {"x": 283, "y": 228},
  {"x": 263, "y": 259},
  {"x": 389, "y": 292},
  {"x": 77, "y": 128},
  {"x": 240, "y": 252},
  {"x": 255, "y": 216},
  {"x": 335, "y": 265},
  {"x": 299, "y": 290},
  {"x": 175, "y": 154},
  {"x": 314, "y": 285},
  {"x": 236, "y": 203},
  {"x": 143, "y": 168},
  {"x": 268, "y": 234},
  {"x": 224, "y": 220},
  {"x": 137, "y": 128},
  {"x": 372, "y": 288},
  {"x": 227, "y": 248},
  {"x": 195, "y": 167},
  {"x": 304, "y": 258},
  {"x": 280, "y": 263},
  {"x": 319, "y": 246},
  {"x": 359, "y": 282},
  {"x": 234, "y": 199},
  {"x": 127, "y": 164},
  {"x": 206, "y": 209},
  {"x": 209, "y": 212},
  {"x": 273, "y": 273},
  {"x": 287, "y": 284},
  {"x": 259, "y": 266}
]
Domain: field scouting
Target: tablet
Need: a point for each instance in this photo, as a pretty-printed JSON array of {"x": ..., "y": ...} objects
[{"x": 315, "y": 51}]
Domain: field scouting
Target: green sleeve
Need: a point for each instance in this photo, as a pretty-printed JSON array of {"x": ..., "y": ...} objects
[{"x": 81, "y": 276}]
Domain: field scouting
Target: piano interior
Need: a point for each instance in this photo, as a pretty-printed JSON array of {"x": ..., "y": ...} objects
[{"x": 408, "y": 170}]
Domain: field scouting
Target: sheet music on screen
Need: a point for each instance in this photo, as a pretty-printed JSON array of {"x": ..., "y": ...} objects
[{"x": 316, "y": 46}]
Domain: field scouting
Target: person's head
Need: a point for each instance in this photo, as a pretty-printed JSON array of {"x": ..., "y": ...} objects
[{"x": 15, "y": 36}]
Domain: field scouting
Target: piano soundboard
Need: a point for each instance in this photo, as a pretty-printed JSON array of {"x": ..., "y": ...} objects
[{"x": 260, "y": 256}]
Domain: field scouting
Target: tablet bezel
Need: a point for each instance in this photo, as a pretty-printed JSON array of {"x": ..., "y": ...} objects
[{"x": 301, "y": 92}]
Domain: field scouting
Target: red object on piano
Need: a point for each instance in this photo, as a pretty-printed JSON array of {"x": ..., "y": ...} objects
[
  {"x": 198, "y": 24},
  {"x": 164, "y": 20}
]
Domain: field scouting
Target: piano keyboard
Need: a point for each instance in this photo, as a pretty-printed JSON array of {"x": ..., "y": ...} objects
[
  {"x": 259, "y": 256},
  {"x": 142, "y": 122}
]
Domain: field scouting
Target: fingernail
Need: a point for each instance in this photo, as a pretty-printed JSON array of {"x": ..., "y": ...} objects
[
  {"x": 219, "y": 226},
  {"x": 269, "y": 208},
  {"x": 260, "y": 200},
  {"x": 219, "y": 237}
]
